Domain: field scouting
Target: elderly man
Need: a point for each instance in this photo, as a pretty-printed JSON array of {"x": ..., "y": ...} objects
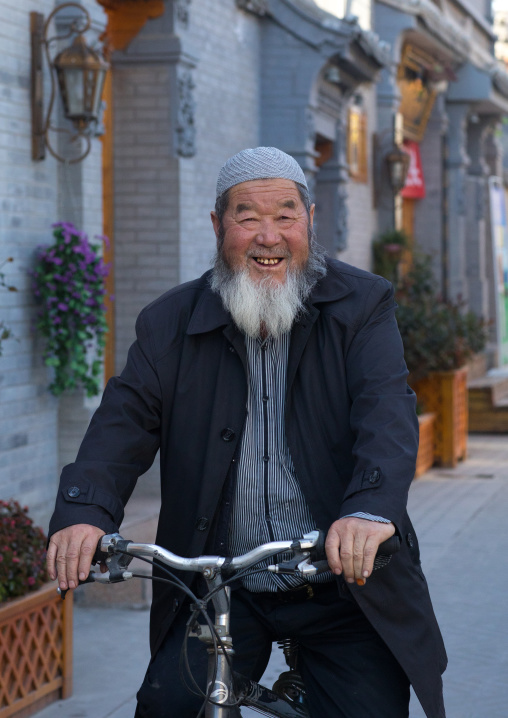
[{"x": 275, "y": 388}]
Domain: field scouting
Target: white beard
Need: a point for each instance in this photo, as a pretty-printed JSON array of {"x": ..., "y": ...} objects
[{"x": 265, "y": 307}]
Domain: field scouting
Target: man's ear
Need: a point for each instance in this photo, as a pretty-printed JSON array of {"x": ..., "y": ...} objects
[
  {"x": 215, "y": 223},
  {"x": 311, "y": 214}
]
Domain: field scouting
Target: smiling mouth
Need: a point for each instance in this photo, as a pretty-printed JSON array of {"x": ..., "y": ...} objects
[{"x": 268, "y": 261}]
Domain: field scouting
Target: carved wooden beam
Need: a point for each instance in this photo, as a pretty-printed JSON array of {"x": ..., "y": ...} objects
[{"x": 126, "y": 18}]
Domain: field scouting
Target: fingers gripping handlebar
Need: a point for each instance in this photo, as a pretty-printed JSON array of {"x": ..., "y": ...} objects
[
  {"x": 309, "y": 562},
  {"x": 113, "y": 546}
]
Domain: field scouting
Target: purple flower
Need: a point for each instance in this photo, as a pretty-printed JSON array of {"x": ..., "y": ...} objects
[{"x": 62, "y": 306}]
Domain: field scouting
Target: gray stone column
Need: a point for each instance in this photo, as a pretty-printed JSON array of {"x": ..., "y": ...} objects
[
  {"x": 456, "y": 165},
  {"x": 390, "y": 24},
  {"x": 428, "y": 214},
  {"x": 331, "y": 193},
  {"x": 494, "y": 158},
  {"x": 476, "y": 216}
]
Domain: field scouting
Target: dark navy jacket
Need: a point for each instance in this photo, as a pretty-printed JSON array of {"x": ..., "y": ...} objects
[{"x": 350, "y": 424}]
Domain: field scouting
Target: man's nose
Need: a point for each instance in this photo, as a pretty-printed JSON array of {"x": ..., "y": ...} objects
[{"x": 268, "y": 234}]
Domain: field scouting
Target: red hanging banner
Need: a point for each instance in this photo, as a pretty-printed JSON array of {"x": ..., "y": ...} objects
[{"x": 415, "y": 182}]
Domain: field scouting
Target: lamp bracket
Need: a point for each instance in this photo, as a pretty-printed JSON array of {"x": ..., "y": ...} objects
[{"x": 42, "y": 125}]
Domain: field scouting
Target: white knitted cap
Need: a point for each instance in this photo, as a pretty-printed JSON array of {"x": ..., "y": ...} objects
[{"x": 259, "y": 163}]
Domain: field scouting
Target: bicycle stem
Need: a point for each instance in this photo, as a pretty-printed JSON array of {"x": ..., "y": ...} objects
[{"x": 219, "y": 667}]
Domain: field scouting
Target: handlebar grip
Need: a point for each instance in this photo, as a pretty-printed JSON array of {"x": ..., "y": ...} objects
[
  {"x": 63, "y": 591},
  {"x": 387, "y": 548},
  {"x": 99, "y": 555}
]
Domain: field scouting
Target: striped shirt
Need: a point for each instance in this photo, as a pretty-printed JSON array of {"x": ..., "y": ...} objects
[{"x": 268, "y": 503}]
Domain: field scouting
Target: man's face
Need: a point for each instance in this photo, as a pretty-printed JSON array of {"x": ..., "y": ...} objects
[{"x": 265, "y": 228}]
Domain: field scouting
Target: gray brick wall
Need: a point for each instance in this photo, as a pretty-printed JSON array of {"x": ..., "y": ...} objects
[
  {"x": 33, "y": 195},
  {"x": 146, "y": 195},
  {"x": 163, "y": 233},
  {"x": 227, "y": 117}
]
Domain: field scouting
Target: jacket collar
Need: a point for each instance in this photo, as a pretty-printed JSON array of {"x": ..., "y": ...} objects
[{"x": 209, "y": 314}]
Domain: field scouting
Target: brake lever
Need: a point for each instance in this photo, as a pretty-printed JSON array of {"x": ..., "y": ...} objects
[{"x": 293, "y": 566}]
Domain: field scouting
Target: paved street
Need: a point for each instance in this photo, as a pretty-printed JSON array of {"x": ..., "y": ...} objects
[{"x": 460, "y": 517}]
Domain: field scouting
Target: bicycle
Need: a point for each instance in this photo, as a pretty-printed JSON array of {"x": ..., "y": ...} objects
[{"x": 227, "y": 690}]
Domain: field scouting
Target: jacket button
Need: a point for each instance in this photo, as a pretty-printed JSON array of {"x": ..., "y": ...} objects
[
  {"x": 73, "y": 492},
  {"x": 409, "y": 540},
  {"x": 175, "y": 605},
  {"x": 202, "y": 523},
  {"x": 228, "y": 434},
  {"x": 374, "y": 477}
]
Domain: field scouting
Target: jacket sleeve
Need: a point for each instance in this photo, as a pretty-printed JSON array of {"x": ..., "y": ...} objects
[
  {"x": 120, "y": 445},
  {"x": 383, "y": 412}
]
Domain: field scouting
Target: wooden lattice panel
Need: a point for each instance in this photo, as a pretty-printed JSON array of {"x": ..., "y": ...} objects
[
  {"x": 35, "y": 652},
  {"x": 445, "y": 393}
]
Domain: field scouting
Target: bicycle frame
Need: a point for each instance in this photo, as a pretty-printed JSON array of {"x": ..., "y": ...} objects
[{"x": 225, "y": 689}]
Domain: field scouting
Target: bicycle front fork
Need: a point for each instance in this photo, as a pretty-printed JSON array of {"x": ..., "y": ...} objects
[{"x": 219, "y": 684}]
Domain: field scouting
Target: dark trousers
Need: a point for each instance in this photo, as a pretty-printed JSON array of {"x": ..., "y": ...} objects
[{"x": 347, "y": 669}]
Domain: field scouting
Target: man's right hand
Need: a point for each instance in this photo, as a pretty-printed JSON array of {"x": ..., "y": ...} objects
[{"x": 70, "y": 553}]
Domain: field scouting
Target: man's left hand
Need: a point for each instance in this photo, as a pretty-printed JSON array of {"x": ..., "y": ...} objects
[{"x": 351, "y": 546}]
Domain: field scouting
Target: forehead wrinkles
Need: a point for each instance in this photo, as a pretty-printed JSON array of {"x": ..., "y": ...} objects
[{"x": 265, "y": 196}]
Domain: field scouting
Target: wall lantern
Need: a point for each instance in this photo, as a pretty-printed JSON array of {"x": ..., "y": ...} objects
[
  {"x": 77, "y": 71},
  {"x": 398, "y": 167}
]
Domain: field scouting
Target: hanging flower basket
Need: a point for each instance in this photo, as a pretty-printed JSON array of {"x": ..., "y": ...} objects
[{"x": 68, "y": 282}]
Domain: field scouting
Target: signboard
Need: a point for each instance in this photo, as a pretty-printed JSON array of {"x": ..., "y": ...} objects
[
  {"x": 499, "y": 230},
  {"x": 415, "y": 182},
  {"x": 417, "y": 95}
]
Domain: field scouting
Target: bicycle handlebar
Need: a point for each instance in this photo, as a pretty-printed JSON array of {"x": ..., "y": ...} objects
[{"x": 309, "y": 557}]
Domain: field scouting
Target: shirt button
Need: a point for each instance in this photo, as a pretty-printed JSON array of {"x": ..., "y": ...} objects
[
  {"x": 73, "y": 492},
  {"x": 202, "y": 523},
  {"x": 374, "y": 477},
  {"x": 265, "y": 398},
  {"x": 409, "y": 540},
  {"x": 176, "y": 603},
  {"x": 228, "y": 434},
  {"x": 232, "y": 350},
  {"x": 266, "y": 458}
]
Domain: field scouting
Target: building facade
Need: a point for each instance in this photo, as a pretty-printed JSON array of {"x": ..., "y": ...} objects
[
  {"x": 452, "y": 94},
  {"x": 191, "y": 83}
]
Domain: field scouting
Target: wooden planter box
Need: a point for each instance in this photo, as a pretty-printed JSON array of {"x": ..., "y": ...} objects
[
  {"x": 35, "y": 652},
  {"x": 445, "y": 394},
  {"x": 425, "y": 457}
]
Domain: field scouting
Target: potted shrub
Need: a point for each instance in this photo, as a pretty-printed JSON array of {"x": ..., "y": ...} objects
[
  {"x": 35, "y": 624},
  {"x": 388, "y": 252},
  {"x": 439, "y": 338},
  {"x": 427, "y": 426}
]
